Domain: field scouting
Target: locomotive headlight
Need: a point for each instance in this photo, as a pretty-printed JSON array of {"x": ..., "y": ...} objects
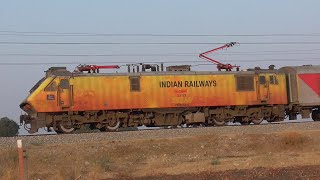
[{"x": 26, "y": 107}]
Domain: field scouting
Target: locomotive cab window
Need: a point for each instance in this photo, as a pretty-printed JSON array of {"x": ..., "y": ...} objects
[
  {"x": 262, "y": 79},
  {"x": 273, "y": 79},
  {"x": 64, "y": 84},
  {"x": 51, "y": 87},
  {"x": 245, "y": 83},
  {"x": 134, "y": 83},
  {"x": 37, "y": 85}
]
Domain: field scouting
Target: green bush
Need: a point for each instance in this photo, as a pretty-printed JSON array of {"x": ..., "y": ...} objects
[{"x": 8, "y": 127}]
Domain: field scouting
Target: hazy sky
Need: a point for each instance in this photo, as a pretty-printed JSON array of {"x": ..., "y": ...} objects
[{"x": 149, "y": 17}]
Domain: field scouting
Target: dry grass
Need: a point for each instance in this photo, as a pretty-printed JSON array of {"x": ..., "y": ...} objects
[
  {"x": 100, "y": 160},
  {"x": 37, "y": 143},
  {"x": 294, "y": 140},
  {"x": 9, "y": 164}
]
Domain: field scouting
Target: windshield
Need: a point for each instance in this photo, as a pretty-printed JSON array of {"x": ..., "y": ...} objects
[{"x": 36, "y": 85}]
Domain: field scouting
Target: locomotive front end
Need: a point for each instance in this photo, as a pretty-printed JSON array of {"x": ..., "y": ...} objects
[
  {"x": 26, "y": 118},
  {"x": 48, "y": 96},
  {"x": 29, "y": 119}
]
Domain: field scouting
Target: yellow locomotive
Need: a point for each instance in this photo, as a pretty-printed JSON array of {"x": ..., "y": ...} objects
[{"x": 68, "y": 100}]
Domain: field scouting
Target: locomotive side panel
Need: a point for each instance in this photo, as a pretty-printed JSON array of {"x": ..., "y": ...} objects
[
  {"x": 66, "y": 102},
  {"x": 166, "y": 91}
]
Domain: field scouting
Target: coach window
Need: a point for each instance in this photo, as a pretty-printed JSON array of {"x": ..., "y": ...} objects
[
  {"x": 262, "y": 79},
  {"x": 51, "y": 87},
  {"x": 134, "y": 84},
  {"x": 273, "y": 79}
]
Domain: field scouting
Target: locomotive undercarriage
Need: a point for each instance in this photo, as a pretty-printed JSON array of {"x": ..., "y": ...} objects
[
  {"x": 67, "y": 122},
  {"x": 315, "y": 115},
  {"x": 295, "y": 109}
]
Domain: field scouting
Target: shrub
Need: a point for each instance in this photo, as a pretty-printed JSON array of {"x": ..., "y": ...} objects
[
  {"x": 215, "y": 161},
  {"x": 8, "y": 127}
]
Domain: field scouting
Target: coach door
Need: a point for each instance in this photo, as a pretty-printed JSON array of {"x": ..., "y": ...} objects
[
  {"x": 263, "y": 88},
  {"x": 64, "y": 93},
  {"x": 319, "y": 87}
]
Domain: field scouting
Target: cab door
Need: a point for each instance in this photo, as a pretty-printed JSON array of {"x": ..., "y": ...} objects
[
  {"x": 263, "y": 88},
  {"x": 64, "y": 93},
  {"x": 51, "y": 93}
]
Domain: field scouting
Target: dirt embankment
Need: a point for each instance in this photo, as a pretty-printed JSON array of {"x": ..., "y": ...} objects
[{"x": 282, "y": 154}]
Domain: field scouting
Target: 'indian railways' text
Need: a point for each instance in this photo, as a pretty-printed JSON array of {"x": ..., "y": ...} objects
[{"x": 171, "y": 84}]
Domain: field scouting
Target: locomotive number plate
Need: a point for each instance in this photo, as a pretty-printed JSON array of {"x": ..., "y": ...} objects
[{"x": 50, "y": 97}]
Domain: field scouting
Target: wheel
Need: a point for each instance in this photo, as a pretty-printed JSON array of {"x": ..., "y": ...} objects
[
  {"x": 257, "y": 121},
  {"x": 271, "y": 119},
  {"x": 316, "y": 115},
  {"x": 218, "y": 121},
  {"x": 63, "y": 129},
  {"x": 111, "y": 126},
  {"x": 254, "y": 117}
]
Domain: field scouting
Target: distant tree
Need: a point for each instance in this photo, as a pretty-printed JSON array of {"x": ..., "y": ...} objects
[{"x": 8, "y": 127}]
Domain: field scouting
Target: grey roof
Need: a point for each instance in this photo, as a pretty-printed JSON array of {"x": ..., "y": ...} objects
[{"x": 305, "y": 69}]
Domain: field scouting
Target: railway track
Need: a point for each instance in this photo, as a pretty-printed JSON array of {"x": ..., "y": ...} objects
[{"x": 264, "y": 123}]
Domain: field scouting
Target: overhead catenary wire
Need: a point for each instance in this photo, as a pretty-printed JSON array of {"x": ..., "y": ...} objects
[
  {"x": 173, "y": 42},
  {"x": 153, "y": 43},
  {"x": 274, "y": 52},
  {"x": 46, "y": 33},
  {"x": 153, "y": 55},
  {"x": 277, "y": 51}
]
